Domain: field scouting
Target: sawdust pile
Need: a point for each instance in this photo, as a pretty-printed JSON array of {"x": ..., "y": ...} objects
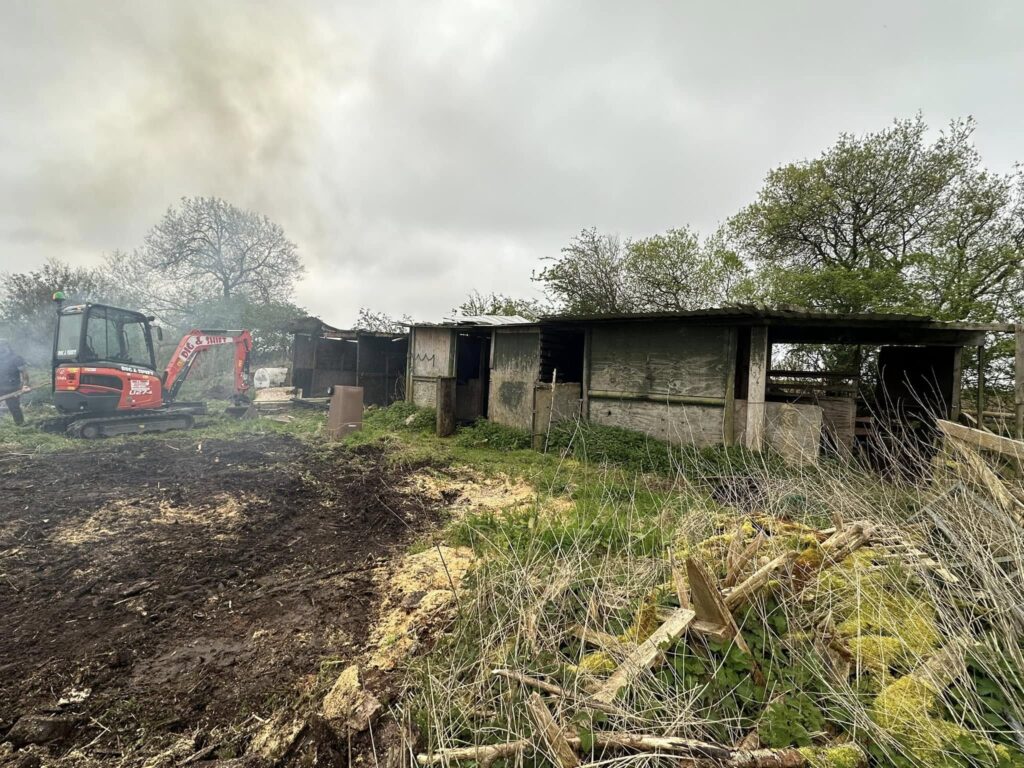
[
  {"x": 421, "y": 594},
  {"x": 470, "y": 491},
  {"x": 222, "y": 512}
]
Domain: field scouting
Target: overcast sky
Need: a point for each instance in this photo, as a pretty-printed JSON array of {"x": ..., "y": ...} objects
[{"x": 415, "y": 151}]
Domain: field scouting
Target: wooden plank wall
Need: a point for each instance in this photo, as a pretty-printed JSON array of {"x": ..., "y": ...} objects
[
  {"x": 430, "y": 356},
  {"x": 552, "y": 405},
  {"x": 669, "y": 380},
  {"x": 515, "y": 367},
  {"x": 793, "y": 430},
  {"x": 660, "y": 359}
]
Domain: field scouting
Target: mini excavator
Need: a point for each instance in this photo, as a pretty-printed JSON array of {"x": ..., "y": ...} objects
[{"x": 105, "y": 380}]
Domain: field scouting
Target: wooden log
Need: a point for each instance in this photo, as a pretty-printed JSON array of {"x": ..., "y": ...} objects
[
  {"x": 742, "y": 560},
  {"x": 550, "y": 688},
  {"x": 632, "y": 742},
  {"x": 983, "y": 475},
  {"x": 758, "y": 579},
  {"x": 551, "y": 733},
  {"x": 17, "y": 393},
  {"x": 713, "y": 615},
  {"x": 445, "y": 406},
  {"x": 983, "y": 439},
  {"x": 735, "y": 548},
  {"x": 678, "y": 582},
  {"x": 647, "y": 654}
]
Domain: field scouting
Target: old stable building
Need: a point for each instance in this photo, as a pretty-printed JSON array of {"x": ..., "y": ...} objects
[
  {"x": 323, "y": 356},
  {"x": 703, "y": 377}
]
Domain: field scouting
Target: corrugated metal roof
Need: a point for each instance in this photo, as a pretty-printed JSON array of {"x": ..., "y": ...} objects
[
  {"x": 316, "y": 326},
  {"x": 490, "y": 321},
  {"x": 753, "y": 313}
]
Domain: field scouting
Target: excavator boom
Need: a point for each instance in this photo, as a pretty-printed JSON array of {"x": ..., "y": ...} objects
[{"x": 193, "y": 344}]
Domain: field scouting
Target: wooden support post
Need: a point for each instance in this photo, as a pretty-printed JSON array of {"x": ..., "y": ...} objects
[
  {"x": 410, "y": 358},
  {"x": 757, "y": 380},
  {"x": 956, "y": 384},
  {"x": 587, "y": 343},
  {"x": 445, "y": 406},
  {"x": 551, "y": 733},
  {"x": 729, "y": 414},
  {"x": 646, "y": 655},
  {"x": 1018, "y": 378},
  {"x": 981, "y": 386}
]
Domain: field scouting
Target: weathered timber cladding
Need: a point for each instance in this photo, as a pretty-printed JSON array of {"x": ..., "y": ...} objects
[
  {"x": 430, "y": 357},
  {"x": 646, "y": 361},
  {"x": 432, "y": 352},
  {"x": 674, "y": 423},
  {"x": 552, "y": 405},
  {"x": 516, "y": 366},
  {"x": 660, "y": 359},
  {"x": 793, "y": 430}
]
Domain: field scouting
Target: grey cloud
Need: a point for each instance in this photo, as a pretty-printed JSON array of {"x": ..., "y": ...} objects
[{"x": 415, "y": 151}]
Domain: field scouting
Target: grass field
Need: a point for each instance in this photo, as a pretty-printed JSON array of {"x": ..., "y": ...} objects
[{"x": 904, "y": 652}]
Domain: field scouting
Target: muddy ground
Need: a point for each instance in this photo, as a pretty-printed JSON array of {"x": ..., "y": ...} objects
[{"x": 174, "y": 591}]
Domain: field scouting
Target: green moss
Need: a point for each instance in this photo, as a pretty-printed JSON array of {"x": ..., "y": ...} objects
[
  {"x": 841, "y": 756},
  {"x": 907, "y": 711},
  {"x": 598, "y": 663},
  {"x": 879, "y": 654},
  {"x": 879, "y": 603}
]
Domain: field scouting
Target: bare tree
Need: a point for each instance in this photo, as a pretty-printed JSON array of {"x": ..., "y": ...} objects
[{"x": 210, "y": 247}]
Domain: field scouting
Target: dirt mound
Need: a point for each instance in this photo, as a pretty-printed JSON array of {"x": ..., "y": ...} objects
[{"x": 160, "y": 596}]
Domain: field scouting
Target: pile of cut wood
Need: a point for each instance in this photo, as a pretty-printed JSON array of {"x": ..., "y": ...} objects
[{"x": 706, "y": 610}]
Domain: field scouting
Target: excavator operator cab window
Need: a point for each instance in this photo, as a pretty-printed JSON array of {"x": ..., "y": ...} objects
[
  {"x": 110, "y": 335},
  {"x": 69, "y": 336}
]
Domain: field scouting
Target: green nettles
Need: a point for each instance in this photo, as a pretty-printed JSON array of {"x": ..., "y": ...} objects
[{"x": 791, "y": 720}]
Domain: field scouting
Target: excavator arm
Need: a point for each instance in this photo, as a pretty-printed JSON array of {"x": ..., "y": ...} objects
[{"x": 193, "y": 344}]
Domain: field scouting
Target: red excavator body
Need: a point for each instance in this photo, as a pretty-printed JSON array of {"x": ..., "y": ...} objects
[{"x": 105, "y": 379}]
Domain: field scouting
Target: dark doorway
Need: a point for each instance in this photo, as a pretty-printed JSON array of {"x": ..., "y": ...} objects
[{"x": 472, "y": 375}]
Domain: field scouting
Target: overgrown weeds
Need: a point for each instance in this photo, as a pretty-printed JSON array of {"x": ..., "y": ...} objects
[{"x": 836, "y": 658}]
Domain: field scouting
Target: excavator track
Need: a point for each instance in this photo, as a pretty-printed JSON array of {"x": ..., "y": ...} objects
[{"x": 132, "y": 424}]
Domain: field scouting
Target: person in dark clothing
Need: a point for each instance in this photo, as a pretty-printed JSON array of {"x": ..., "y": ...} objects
[{"x": 13, "y": 378}]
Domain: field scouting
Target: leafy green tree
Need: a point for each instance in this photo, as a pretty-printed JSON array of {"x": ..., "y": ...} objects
[
  {"x": 368, "y": 320},
  {"x": 670, "y": 272},
  {"x": 27, "y": 311},
  {"x": 268, "y": 323},
  {"x": 207, "y": 249},
  {"x": 889, "y": 221},
  {"x": 676, "y": 271},
  {"x": 477, "y": 303}
]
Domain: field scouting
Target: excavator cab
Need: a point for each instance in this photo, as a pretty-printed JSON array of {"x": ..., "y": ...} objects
[
  {"x": 89, "y": 334},
  {"x": 103, "y": 360}
]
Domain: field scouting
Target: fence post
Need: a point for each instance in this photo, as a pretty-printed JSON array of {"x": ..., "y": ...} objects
[
  {"x": 1018, "y": 379},
  {"x": 445, "y": 406}
]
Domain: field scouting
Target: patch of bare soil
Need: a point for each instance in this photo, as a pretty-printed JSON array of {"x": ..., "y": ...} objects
[{"x": 164, "y": 601}]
